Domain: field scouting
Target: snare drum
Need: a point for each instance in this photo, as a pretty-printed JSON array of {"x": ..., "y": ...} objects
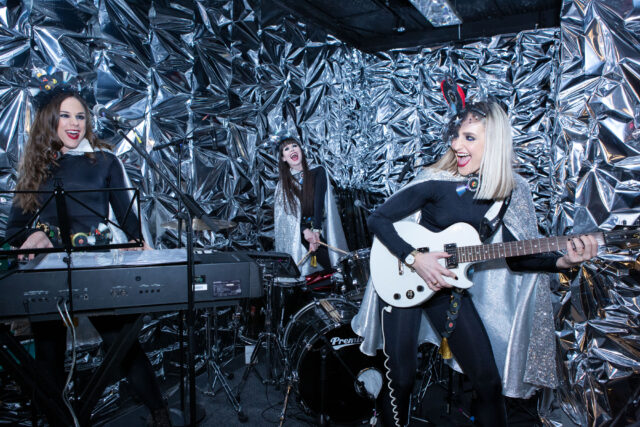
[
  {"x": 321, "y": 322},
  {"x": 289, "y": 282}
]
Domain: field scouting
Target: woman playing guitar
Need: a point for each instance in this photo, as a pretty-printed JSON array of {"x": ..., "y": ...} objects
[{"x": 500, "y": 331}]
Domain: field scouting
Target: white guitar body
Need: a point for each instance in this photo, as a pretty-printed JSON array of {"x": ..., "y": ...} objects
[{"x": 400, "y": 286}]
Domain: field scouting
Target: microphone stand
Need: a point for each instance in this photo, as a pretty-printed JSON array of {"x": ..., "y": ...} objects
[
  {"x": 65, "y": 233},
  {"x": 193, "y": 210},
  {"x": 180, "y": 217}
]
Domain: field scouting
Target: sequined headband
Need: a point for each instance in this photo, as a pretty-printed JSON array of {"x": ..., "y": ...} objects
[{"x": 51, "y": 84}]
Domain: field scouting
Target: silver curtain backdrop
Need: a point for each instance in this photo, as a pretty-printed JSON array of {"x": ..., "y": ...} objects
[{"x": 219, "y": 77}]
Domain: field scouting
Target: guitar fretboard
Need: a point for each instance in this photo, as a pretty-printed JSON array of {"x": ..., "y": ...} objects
[{"x": 516, "y": 248}]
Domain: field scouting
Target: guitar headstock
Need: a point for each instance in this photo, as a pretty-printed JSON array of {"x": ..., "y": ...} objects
[{"x": 624, "y": 238}]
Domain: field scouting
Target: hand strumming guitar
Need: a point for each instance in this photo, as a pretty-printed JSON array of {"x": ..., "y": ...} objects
[{"x": 431, "y": 271}]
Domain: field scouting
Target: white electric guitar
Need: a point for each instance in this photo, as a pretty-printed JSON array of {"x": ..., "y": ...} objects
[{"x": 400, "y": 286}]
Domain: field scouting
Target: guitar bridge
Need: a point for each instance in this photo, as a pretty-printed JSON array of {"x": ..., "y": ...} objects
[{"x": 452, "y": 261}]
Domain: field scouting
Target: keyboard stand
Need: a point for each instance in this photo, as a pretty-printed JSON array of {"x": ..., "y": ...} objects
[{"x": 48, "y": 396}]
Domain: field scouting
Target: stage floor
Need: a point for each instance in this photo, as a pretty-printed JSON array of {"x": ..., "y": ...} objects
[{"x": 263, "y": 404}]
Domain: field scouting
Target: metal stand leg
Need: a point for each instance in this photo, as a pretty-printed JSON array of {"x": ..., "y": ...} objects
[
  {"x": 286, "y": 401},
  {"x": 268, "y": 338},
  {"x": 323, "y": 419},
  {"x": 214, "y": 372}
]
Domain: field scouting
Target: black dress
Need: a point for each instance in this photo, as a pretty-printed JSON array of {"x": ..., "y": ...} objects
[{"x": 100, "y": 170}]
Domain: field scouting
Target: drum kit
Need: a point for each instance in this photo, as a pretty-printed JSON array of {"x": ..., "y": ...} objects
[
  {"x": 307, "y": 338},
  {"x": 310, "y": 346}
]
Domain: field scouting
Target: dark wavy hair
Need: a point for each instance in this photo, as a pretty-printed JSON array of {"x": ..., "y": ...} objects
[
  {"x": 43, "y": 146},
  {"x": 290, "y": 187}
]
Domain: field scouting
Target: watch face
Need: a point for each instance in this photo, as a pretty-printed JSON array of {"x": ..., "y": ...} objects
[{"x": 410, "y": 259}]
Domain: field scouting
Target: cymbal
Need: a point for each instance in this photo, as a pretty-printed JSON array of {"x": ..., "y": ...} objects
[{"x": 199, "y": 225}]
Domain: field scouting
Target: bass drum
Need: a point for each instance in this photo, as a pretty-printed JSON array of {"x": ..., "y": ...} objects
[{"x": 324, "y": 324}]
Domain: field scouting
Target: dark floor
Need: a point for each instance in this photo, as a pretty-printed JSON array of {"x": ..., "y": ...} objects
[
  {"x": 262, "y": 404},
  {"x": 442, "y": 398}
]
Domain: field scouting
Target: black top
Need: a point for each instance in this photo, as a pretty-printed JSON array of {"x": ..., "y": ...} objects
[
  {"x": 319, "y": 176},
  {"x": 79, "y": 172},
  {"x": 443, "y": 203}
]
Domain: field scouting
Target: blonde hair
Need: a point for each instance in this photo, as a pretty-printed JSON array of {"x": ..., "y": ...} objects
[{"x": 497, "y": 179}]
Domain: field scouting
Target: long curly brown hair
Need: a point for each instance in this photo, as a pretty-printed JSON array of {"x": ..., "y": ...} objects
[
  {"x": 42, "y": 148},
  {"x": 292, "y": 191}
]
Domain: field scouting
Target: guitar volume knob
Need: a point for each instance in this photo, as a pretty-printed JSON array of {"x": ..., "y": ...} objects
[{"x": 410, "y": 294}]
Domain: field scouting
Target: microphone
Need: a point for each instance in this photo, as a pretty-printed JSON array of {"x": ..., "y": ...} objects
[{"x": 100, "y": 110}]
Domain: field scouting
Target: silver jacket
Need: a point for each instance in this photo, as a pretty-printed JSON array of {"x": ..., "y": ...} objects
[
  {"x": 287, "y": 232},
  {"x": 515, "y": 308}
]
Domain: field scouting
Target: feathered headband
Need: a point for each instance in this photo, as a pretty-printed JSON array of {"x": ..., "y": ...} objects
[{"x": 460, "y": 107}]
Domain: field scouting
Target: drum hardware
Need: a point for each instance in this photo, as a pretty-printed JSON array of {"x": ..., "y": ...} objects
[
  {"x": 323, "y": 418},
  {"x": 432, "y": 371},
  {"x": 214, "y": 372},
  {"x": 271, "y": 343},
  {"x": 286, "y": 401}
]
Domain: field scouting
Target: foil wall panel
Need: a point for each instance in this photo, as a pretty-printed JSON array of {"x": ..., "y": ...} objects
[
  {"x": 595, "y": 186},
  {"x": 217, "y": 78}
]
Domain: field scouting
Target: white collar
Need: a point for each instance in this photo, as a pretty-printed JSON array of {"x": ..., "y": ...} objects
[{"x": 82, "y": 148}]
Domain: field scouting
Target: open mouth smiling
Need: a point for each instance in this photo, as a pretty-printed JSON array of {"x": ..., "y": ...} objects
[{"x": 73, "y": 134}]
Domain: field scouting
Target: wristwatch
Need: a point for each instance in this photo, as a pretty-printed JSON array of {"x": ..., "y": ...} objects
[{"x": 411, "y": 258}]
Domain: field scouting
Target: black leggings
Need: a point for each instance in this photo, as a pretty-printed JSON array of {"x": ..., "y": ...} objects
[
  {"x": 470, "y": 345},
  {"x": 50, "y": 340}
]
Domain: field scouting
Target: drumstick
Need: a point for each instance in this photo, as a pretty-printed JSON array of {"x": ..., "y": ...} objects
[
  {"x": 334, "y": 248},
  {"x": 304, "y": 258}
]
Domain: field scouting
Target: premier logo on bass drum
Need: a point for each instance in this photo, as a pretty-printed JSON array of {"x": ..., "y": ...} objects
[{"x": 338, "y": 343}]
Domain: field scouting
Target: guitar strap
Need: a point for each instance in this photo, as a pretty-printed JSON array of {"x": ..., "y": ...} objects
[
  {"x": 489, "y": 226},
  {"x": 487, "y": 229}
]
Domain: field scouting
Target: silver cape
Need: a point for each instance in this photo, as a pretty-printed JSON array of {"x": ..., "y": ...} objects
[
  {"x": 515, "y": 308},
  {"x": 287, "y": 229}
]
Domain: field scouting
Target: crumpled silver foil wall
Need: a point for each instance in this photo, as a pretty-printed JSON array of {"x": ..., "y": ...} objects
[
  {"x": 219, "y": 77},
  {"x": 594, "y": 175}
]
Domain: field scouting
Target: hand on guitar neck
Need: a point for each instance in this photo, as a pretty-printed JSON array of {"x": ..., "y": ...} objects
[{"x": 580, "y": 248}]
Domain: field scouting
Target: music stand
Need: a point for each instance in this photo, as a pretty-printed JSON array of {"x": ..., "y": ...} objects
[{"x": 27, "y": 373}]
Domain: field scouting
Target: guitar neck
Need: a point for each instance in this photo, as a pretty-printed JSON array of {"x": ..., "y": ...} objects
[{"x": 517, "y": 248}]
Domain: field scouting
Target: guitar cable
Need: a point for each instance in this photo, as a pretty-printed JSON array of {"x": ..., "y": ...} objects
[{"x": 68, "y": 321}]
